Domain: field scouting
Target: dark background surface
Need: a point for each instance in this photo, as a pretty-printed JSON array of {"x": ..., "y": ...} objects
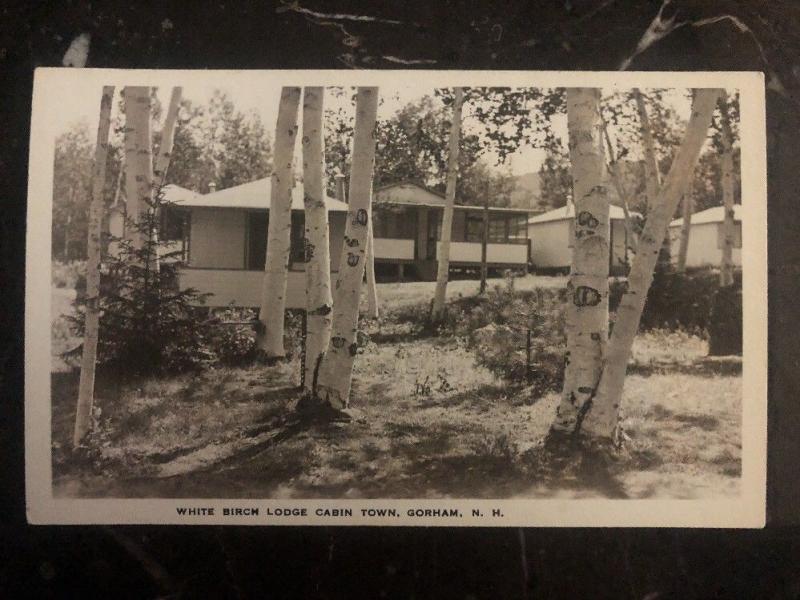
[{"x": 143, "y": 562}]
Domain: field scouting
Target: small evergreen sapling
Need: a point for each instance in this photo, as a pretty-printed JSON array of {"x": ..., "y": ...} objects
[{"x": 148, "y": 324}]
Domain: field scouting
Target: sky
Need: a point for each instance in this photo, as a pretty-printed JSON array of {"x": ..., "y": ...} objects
[{"x": 81, "y": 103}]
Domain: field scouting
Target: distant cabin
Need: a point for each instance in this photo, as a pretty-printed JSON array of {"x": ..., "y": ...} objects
[
  {"x": 705, "y": 237},
  {"x": 407, "y": 221},
  {"x": 551, "y": 235}
]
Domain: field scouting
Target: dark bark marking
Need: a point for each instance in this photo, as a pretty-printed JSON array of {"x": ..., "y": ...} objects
[{"x": 586, "y": 296}]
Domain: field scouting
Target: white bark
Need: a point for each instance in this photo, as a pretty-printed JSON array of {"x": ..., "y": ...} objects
[
  {"x": 319, "y": 302},
  {"x": 587, "y": 303},
  {"x": 686, "y": 227},
  {"x": 601, "y": 420},
  {"x": 167, "y": 137},
  {"x": 652, "y": 173},
  {"x": 138, "y": 160},
  {"x": 372, "y": 284},
  {"x": 341, "y": 196},
  {"x": 276, "y": 267},
  {"x": 83, "y": 413},
  {"x": 443, "y": 266},
  {"x": 336, "y": 371},
  {"x": 619, "y": 186},
  {"x": 726, "y": 267}
]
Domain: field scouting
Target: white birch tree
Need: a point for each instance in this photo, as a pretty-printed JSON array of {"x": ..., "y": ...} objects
[
  {"x": 652, "y": 173},
  {"x": 138, "y": 159},
  {"x": 167, "y": 137},
  {"x": 602, "y": 416},
  {"x": 83, "y": 412},
  {"x": 319, "y": 302},
  {"x": 336, "y": 370},
  {"x": 687, "y": 208},
  {"x": 372, "y": 284},
  {"x": 726, "y": 266},
  {"x": 443, "y": 257},
  {"x": 587, "y": 299},
  {"x": 276, "y": 267}
]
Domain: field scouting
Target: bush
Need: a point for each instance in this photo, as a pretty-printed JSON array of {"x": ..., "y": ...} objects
[
  {"x": 70, "y": 275},
  {"x": 232, "y": 344},
  {"x": 677, "y": 300},
  {"x": 725, "y": 327},
  {"x": 499, "y": 327}
]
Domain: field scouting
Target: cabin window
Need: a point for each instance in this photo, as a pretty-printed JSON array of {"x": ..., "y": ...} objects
[
  {"x": 256, "y": 241},
  {"x": 172, "y": 224},
  {"x": 498, "y": 230},
  {"x": 518, "y": 229},
  {"x": 393, "y": 223},
  {"x": 296, "y": 250},
  {"x": 473, "y": 228}
]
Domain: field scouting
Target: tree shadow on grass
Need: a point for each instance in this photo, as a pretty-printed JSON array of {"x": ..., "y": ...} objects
[{"x": 704, "y": 367}]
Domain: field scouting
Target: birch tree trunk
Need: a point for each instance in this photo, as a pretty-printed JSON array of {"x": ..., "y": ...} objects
[
  {"x": 652, "y": 174},
  {"x": 336, "y": 371},
  {"x": 276, "y": 266},
  {"x": 587, "y": 303},
  {"x": 443, "y": 266},
  {"x": 319, "y": 303},
  {"x": 341, "y": 196},
  {"x": 602, "y": 418},
  {"x": 686, "y": 226},
  {"x": 83, "y": 412},
  {"x": 372, "y": 284},
  {"x": 138, "y": 160},
  {"x": 619, "y": 186},
  {"x": 167, "y": 137},
  {"x": 726, "y": 267}
]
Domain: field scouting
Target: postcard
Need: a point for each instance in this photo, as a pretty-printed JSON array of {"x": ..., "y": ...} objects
[{"x": 418, "y": 298}]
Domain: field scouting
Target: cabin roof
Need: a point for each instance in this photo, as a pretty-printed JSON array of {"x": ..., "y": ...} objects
[
  {"x": 430, "y": 198},
  {"x": 255, "y": 195},
  {"x": 568, "y": 212},
  {"x": 715, "y": 214},
  {"x": 171, "y": 193}
]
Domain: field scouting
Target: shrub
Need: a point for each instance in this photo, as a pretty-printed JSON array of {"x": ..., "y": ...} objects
[
  {"x": 232, "y": 343},
  {"x": 70, "y": 275},
  {"x": 498, "y": 331},
  {"x": 677, "y": 300}
]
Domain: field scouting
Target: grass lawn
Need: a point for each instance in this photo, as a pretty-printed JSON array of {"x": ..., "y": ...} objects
[{"x": 428, "y": 423}]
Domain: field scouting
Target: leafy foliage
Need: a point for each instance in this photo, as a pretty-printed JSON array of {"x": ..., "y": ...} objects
[
  {"x": 678, "y": 300},
  {"x": 412, "y": 144},
  {"x": 556, "y": 181}
]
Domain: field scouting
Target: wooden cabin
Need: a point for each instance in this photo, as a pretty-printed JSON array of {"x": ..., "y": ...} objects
[
  {"x": 552, "y": 232},
  {"x": 705, "y": 237},
  {"x": 407, "y": 222}
]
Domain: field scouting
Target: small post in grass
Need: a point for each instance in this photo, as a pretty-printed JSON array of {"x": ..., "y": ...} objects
[
  {"x": 528, "y": 356},
  {"x": 485, "y": 240}
]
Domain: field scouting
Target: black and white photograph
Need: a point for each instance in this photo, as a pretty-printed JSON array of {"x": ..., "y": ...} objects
[{"x": 396, "y": 297}]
